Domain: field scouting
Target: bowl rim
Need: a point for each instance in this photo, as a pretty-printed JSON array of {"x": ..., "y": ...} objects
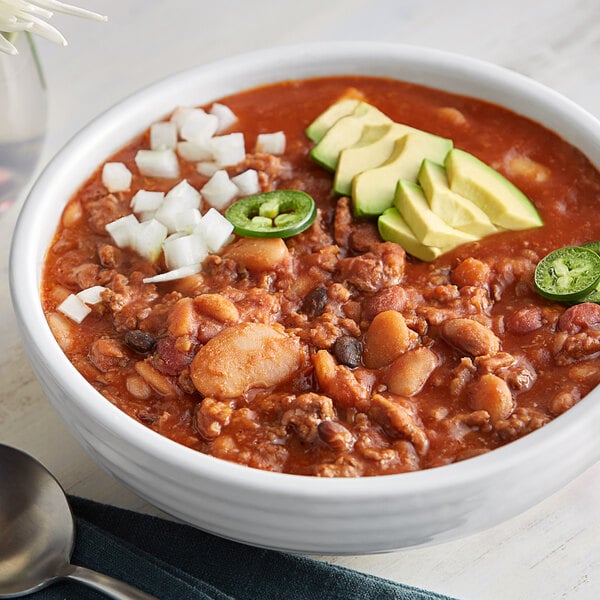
[{"x": 25, "y": 264}]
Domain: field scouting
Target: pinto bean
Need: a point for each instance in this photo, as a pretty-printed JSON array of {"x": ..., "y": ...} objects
[
  {"x": 387, "y": 337},
  {"x": 391, "y": 298},
  {"x": 334, "y": 434},
  {"x": 72, "y": 215},
  {"x": 410, "y": 371},
  {"x": 244, "y": 357},
  {"x": 471, "y": 272},
  {"x": 338, "y": 381},
  {"x": 525, "y": 320},
  {"x": 580, "y": 317},
  {"x": 138, "y": 387},
  {"x": 492, "y": 394},
  {"x": 258, "y": 254},
  {"x": 217, "y": 307},
  {"x": 182, "y": 319},
  {"x": 156, "y": 380},
  {"x": 62, "y": 329},
  {"x": 470, "y": 337}
]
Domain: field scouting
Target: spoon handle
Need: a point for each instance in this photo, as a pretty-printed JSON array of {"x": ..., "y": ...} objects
[{"x": 113, "y": 588}]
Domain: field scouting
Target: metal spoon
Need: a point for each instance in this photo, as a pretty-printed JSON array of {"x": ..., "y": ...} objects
[{"x": 37, "y": 533}]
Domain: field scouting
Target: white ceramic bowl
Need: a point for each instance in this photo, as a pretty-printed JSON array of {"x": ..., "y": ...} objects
[{"x": 288, "y": 511}]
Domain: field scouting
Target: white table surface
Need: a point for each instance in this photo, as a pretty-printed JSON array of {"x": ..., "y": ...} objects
[{"x": 552, "y": 551}]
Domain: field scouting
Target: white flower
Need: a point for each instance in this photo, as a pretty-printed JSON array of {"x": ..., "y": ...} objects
[{"x": 29, "y": 15}]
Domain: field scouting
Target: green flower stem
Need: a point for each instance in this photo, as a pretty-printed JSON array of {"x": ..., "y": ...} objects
[{"x": 12, "y": 38}]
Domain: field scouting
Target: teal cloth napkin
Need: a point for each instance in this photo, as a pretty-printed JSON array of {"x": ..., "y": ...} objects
[{"x": 177, "y": 562}]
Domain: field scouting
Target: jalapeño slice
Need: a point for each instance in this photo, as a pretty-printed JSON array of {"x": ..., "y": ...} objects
[
  {"x": 567, "y": 274},
  {"x": 595, "y": 246},
  {"x": 594, "y": 295},
  {"x": 280, "y": 213}
]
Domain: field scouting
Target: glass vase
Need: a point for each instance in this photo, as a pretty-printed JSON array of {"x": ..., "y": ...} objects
[{"x": 23, "y": 112}]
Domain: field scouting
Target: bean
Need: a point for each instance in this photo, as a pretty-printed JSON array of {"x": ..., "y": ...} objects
[
  {"x": 244, "y": 357},
  {"x": 470, "y": 336},
  {"x": 258, "y": 254},
  {"x": 315, "y": 302},
  {"x": 348, "y": 351},
  {"x": 334, "y": 434},
  {"x": 140, "y": 341},
  {"x": 62, "y": 329},
  {"x": 492, "y": 394},
  {"x": 525, "y": 320},
  {"x": 471, "y": 272},
  {"x": 157, "y": 381},
  {"x": 391, "y": 298},
  {"x": 217, "y": 307},
  {"x": 182, "y": 319},
  {"x": 580, "y": 317},
  {"x": 410, "y": 371},
  {"x": 387, "y": 337}
]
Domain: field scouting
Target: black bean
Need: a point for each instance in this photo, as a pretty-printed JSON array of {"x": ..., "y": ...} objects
[
  {"x": 348, "y": 351},
  {"x": 315, "y": 302},
  {"x": 140, "y": 341}
]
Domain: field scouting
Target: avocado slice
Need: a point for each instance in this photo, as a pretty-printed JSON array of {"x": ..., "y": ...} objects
[
  {"x": 372, "y": 149},
  {"x": 318, "y": 128},
  {"x": 393, "y": 228},
  {"x": 428, "y": 227},
  {"x": 503, "y": 202},
  {"x": 345, "y": 132},
  {"x": 373, "y": 190},
  {"x": 456, "y": 211}
]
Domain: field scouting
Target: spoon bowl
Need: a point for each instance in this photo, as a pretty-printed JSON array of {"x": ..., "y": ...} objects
[{"x": 38, "y": 533}]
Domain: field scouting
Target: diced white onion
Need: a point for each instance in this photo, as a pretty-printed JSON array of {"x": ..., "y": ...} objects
[
  {"x": 225, "y": 116},
  {"x": 184, "y": 251},
  {"x": 219, "y": 190},
  {"x": 228, "y": 149},
  {"x": 247, "y": 182},
  {"x": 74, "y": 308},
  {"x": 179, "y": 115},
  {"x": 187, "y": 195},
  {"x": 157, "y": 163},
  {"x": 123, "y": 231},
  {"x": 198, "y": 126},
  {"x": 207, "y": 168},
  {"x": 174, "y": 274},
  {"x": 180, "y": 198},
  {"x": 215, "y": 229},
  {"x": 271, "y": 143},
  {"x": 186, "y": 219},
  {"x": 149, "y": 237},
  {"x": 193, "y": 152},
  {"x": 91, "y": 295},
  {"x": 144, "y": 201},
  {"x": 146, "y": 215},
  {"x": 163, "y": 135},
  {"x": 116, "y": 177}
]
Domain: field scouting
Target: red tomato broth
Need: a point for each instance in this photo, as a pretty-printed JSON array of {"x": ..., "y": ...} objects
[{"x": 254, "y": 433}]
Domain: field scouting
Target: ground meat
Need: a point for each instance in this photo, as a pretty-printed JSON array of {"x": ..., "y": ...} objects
[
  {"x": 306, "y": 414},
  {"x": 372, "y": 271},
  {"x": 521, "y": 422}
]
